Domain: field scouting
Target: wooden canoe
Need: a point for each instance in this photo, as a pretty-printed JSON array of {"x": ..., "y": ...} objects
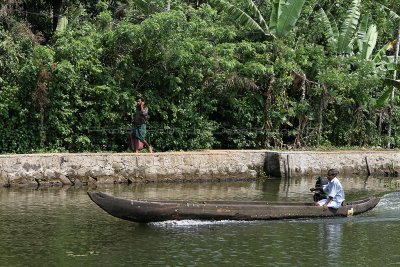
[{"x": 144, "y": 211}]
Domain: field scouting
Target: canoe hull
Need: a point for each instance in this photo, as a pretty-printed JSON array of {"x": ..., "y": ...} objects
[{"x": 143, "y": 211}]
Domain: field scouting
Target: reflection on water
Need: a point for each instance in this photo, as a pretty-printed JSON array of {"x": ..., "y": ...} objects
[
  {"x": 333, "y": 242},
  {"x": 62, "y": 227}
]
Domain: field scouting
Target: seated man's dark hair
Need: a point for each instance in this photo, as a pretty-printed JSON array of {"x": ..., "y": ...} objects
[{"x": 333, "y": 172}]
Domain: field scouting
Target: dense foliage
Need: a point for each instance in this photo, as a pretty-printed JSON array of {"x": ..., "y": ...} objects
[{"x": 211, "y": 77}]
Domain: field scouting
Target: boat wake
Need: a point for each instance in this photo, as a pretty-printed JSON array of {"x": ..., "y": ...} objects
[
  {"x": 390, "y": 202},
  {"x": 191, "y": 223},
  {"x": 387, "y": 210}
]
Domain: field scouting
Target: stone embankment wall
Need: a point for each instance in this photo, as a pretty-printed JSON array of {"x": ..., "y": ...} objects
[{"x": 108, "y": 168}]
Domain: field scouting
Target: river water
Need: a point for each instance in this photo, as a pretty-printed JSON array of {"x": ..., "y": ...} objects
[{"x": 62, "y": 227}]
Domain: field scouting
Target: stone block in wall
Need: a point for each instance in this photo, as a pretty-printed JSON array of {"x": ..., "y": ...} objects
[
  {"x": 64, "y": 180},
  {"x": 153, "y": 172},
  {"x": 117, "y": 166},
  {"x": 165, "y": 161},
  {"x": 20, "y": 180},
  {"x": 3, "y": 179},
  {"x": 103, "y": 180}
]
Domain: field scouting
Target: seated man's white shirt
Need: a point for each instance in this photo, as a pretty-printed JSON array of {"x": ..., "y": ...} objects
[{"x": 334, "y": 189}]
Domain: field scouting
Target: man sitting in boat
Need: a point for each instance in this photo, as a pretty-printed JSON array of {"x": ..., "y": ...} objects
[{"x": 334, "y": 190}]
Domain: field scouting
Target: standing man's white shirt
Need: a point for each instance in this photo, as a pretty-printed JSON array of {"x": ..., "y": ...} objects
[{"x": 335, "y": 190}]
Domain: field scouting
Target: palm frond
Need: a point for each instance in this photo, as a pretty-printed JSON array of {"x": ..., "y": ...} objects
[{"x": 235, "y": 82}]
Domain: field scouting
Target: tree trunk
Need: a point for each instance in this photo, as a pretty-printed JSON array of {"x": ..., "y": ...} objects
[
  {"x": 267, "y": 112},
  {"x": 56, "y": 10},
  {"x": 391, "y": 111},
  {"x": 302, "y": 118}
]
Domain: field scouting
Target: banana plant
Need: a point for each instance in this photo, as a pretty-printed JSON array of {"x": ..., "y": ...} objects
[
  {"x": 393, "y": 62},
  {"x": 342, "y": 40},
  {"x": 284, "y": 16},
  {"x": 366, "y": 36}
]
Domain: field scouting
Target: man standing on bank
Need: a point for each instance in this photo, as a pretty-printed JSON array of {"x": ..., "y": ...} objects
[
  {"x": 139, "y": 128},
  {"x": 334, "y": 190}
]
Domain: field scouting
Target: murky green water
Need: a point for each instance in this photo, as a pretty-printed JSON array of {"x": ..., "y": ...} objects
[{"x": 62, "y": 227}]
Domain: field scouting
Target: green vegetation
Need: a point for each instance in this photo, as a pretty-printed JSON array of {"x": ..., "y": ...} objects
[{"x": 215, "y": 74}]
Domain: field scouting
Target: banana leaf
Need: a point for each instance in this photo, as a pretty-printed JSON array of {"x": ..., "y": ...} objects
[
  {"x": 378, "y": 58},
  {"x": 393, "y": 16},
  {"x": 362, "y": 31},
  {"x": 273, "y": 20},
  {"x": 62, "y": 24},
  {"x": 349, "y": 27},
  {"x": 380, "y": 102},
  {"x": 284, "y": 16},
  {"x": 256, "y": 14},
  {"x": 330, "y": 27},
  {"x": 369, "y": 42},
  {"x": 239, "y": 15}
]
